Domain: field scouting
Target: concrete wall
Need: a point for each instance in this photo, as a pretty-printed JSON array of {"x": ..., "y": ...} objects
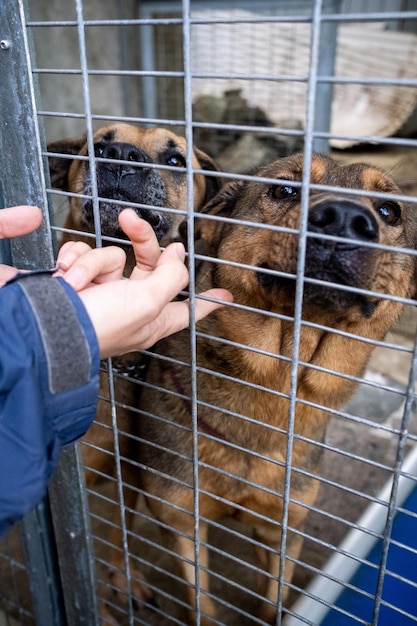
[
  {"x": 107, "y": 48},
  {"x": 118, "y": 47}
]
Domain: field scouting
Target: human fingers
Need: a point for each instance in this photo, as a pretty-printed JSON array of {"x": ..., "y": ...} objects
[
  {"x": 69, "y": 253},
  {"x": 167, "y": 280},
  {"x": 170, "y": 274},
  {"x": 205, "y": 307},
  {"x": 125, "y": 313},
  {"x": 181, "y": 318},
  {"x": 175, "y": 316},
  {"x": 141, "y": 234},
  {"x": 97, "y": 265},
  {"x": 6, "y": 273},
  {"x": 19, "y": 220}
]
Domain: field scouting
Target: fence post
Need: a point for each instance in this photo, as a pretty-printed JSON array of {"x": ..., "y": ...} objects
[
  {"x": 326, "y": 67},
  {"x": 63, "y": 552}
]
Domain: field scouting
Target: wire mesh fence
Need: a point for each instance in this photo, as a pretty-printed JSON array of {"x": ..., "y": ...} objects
[{"x": 260, "y": 467}]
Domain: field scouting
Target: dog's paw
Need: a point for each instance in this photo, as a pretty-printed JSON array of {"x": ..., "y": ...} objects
[{"x": 138, "y": 588}]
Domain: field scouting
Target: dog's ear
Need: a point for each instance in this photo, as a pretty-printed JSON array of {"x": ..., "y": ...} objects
[
  {"x": 213, "y": 183},
  {"x": 59, "y": 166},
  {"x": 222, "y": 205}
]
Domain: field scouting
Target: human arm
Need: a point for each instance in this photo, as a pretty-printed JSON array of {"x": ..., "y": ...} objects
[
  {"x": 49, "y": 361},
  {"x": 16, "y": 221},
  {"x": 51, "y": 340}
]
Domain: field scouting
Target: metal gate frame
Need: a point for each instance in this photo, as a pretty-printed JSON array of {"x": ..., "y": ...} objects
[{"x": 58, "y": 525}]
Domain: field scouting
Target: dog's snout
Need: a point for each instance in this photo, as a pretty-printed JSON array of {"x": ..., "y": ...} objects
[
  {"x": 343, "y": 218},
  {"x": 119, "y": 151}
]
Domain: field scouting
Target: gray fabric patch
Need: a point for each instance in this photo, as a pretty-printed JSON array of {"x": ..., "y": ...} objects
[{"x": 65, "y": 344}]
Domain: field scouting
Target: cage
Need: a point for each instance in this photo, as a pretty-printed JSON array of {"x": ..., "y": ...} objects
[{"x": 189, "y": 500}]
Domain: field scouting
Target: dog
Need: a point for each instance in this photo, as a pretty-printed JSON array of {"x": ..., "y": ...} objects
[
  {"x": 145, "y": 170},
  {"x": 136, "y": 167},
  {"x": 244, "y": 353}
]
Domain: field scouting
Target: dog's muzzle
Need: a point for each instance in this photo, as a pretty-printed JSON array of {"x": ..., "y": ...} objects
[
  {"x": 343, "y": 218},
  {"x": 336, "y": 254},
  {"x": 124, "y": 175},
  {"x": 337, "y": 251}
]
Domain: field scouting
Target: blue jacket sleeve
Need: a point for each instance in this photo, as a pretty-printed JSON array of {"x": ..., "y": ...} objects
[{"x": 49, "y": 362}]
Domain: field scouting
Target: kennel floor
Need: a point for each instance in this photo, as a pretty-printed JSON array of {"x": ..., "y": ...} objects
[{"x": 400, "y": 583}]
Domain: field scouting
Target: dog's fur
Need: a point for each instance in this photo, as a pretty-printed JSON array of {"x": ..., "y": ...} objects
[
  {"x": 244, "y": 376},
  {"x": 138, "y": 166}
]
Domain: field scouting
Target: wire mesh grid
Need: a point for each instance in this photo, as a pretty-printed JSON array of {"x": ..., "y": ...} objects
[{"x": 214, "y": 74}]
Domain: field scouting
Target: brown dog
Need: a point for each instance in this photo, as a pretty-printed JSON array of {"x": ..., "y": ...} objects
[
  {"x": 145, "y": 170},
  {"x": 135, "y": 166},
  {"x": 140, "y": 168},
  {"x": 244, "y": 356}
]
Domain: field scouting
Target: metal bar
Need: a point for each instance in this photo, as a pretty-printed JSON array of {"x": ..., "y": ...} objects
[
  {"x": 22, "y": 170},
  {"x": 73, "y": 540},
  {"x": 42, "y": 566},
  {"x": 119, "y": 478},
  {"x": 127, "y": 87},
  {"x": 371, "y": 16},
  {"x": 323, "y": 78},
  {"x": 298, "y": 300},
  {"x": 324, "y": 90},
  {"x": 71, "y": 519},
  {"x": 23, "y": 182},
  {"x": 188, "y": 114},
  {"x": 89, "y": 125},
  {"x": 147, "y": 51}
]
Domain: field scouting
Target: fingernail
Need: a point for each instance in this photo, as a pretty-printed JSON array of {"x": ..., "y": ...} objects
[
  {"x": 180, "y": 251},
  {"x": 66, "y": 261}
]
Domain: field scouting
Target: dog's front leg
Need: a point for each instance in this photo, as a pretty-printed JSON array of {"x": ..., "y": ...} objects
[
  {"x": 182, "y": 543},
  {"x": 268, "y": 559},
  {"x": 139, "y": 589}
]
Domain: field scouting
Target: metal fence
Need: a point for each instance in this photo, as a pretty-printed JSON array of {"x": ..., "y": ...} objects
[{"x": 247, "y": 82}]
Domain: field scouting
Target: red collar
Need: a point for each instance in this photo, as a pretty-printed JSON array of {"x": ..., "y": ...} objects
[{"x": 201, "y": 423}]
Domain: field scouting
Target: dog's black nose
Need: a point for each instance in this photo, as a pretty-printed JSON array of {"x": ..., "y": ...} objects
[
  {"x": 119, "y": 151},
  {"x": 343, "y": 218}
]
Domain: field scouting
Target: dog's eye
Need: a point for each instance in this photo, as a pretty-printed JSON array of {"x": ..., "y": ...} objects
[
  {"x": 390, "y": 212},
  {"x": 284, "y": 192},
  {"x": 99, "y": 149},
  {"x": 176, "y": 160}
]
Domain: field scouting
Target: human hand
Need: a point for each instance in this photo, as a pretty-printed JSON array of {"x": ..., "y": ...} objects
[
  {"x": 16, "y": 221},
  {"x": 133, "y": 314}
]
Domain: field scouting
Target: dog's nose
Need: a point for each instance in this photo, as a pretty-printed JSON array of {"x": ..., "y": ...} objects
[
  {"x": 119, "y": 151},
  {"x": 343, "y": 218}
]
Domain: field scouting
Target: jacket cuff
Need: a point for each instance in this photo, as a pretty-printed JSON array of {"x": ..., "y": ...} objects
[
  {"x": 71, "y": 353},
  {"x": 65, "y": 344}
]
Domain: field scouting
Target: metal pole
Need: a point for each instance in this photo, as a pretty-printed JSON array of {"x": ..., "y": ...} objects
[
  {"x": 23, "y": 175},
  {"x": 326, "y": 67},
  {"x": 22, "y": 182}
]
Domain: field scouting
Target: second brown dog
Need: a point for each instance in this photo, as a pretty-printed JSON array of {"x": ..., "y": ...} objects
[{"x": 245, "y": 353}]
